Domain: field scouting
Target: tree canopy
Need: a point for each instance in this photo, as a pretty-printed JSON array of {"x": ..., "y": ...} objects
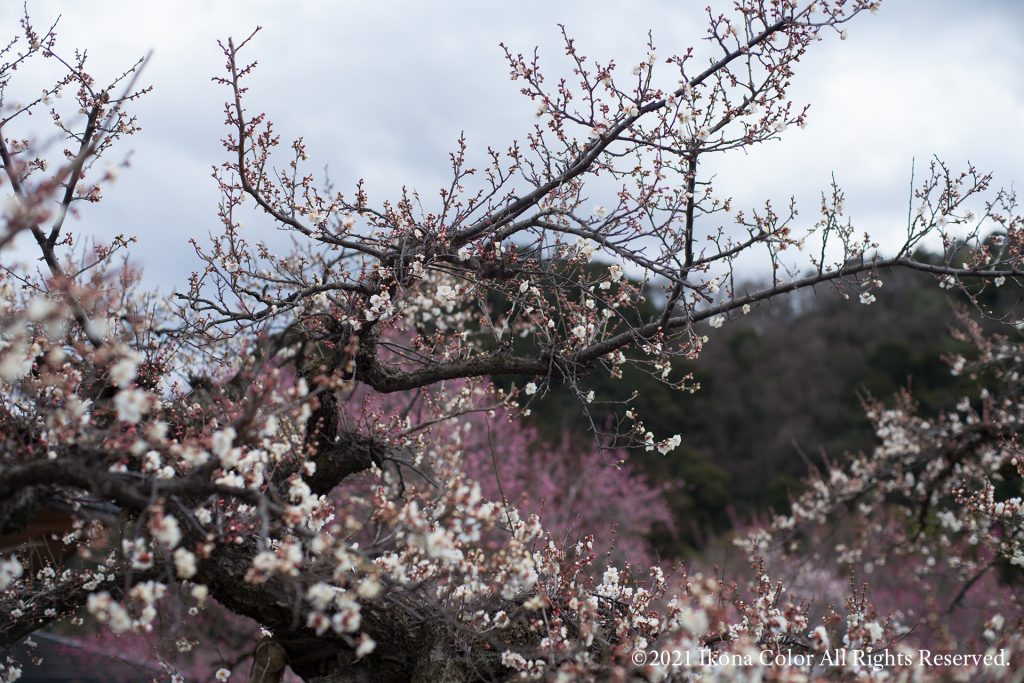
[{"x": 306, "y": 438}]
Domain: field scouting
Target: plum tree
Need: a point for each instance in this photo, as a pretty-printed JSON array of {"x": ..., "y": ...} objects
[{"x": 285, "y": 437}]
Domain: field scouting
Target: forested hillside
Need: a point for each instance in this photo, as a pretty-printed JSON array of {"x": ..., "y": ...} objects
[{"x": 781, "y": 390}]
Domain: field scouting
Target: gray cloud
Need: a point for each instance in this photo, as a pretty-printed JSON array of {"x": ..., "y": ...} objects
[{"x": 381, "y": 91}]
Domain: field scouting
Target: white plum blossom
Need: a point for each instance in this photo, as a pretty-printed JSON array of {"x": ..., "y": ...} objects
[
  {"x": 380, "y": 306},
  {"x": 184, "y": 563},
  {"x": 366, "y": 646},
  {"x": 10, "y": 570},
  {"x": 15, "y": 362},
  {"x": 778, "y": 624},
  {"x": 609, "y": 586},
  {"x": 193, "y": 457},
  {"x": 40, "y": 308},
  {"x": 123, "y": 372},
  {"x": 165, "y": 529},
  {"x": 221, "y": 445},
  {"x": 875, "y": 631},
  {"x": 669, "y": 445},
  {"x": 694, "y": 620},
  {"x": 348, "y": 618},
  {"x": 131, "y": 405},
  {"x": 819, "y": 637},
  {"x": 321, "y": 594},
  {"x": 107, "y": 610},
  {"x": 369, "y": 588}
]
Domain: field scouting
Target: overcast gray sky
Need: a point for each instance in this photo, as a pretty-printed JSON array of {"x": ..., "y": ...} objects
[{"x": 381, "y": 90}]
